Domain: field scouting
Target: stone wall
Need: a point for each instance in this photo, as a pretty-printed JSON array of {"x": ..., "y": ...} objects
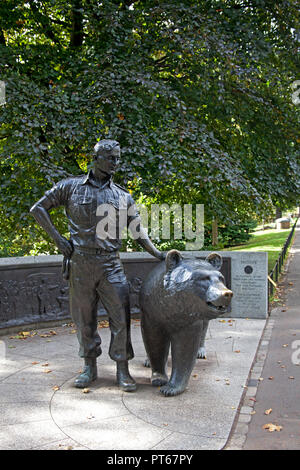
[{"x": 32, "y": 289}]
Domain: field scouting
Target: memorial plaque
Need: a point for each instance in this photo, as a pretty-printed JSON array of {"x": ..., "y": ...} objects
[{"x": 248, "y": 282}]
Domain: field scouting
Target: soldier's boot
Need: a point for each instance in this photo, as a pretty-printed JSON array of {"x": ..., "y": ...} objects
[
  {"x": 89, "y": 373},
  {"x": 124, "y": 379}
]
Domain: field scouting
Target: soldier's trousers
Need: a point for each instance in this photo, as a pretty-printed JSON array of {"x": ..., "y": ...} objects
[{"x": 93, "y": 278}]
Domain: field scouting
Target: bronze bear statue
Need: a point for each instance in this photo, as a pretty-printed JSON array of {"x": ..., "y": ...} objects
[{"x": 177, "y": 300}]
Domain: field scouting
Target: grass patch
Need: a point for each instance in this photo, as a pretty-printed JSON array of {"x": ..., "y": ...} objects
[{"x": 271, "y": 241}]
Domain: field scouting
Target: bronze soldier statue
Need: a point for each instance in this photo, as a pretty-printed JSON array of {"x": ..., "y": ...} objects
[{"x": 91, "y": 261}]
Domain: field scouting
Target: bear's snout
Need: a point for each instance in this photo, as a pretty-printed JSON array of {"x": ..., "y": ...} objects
[{"x": 219, "y": 299}]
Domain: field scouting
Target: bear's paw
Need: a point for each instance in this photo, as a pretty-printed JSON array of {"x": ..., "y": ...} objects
[
  {"x": 158, "y": 379},
  {"x": 169, "y": 390},
  {"x": 201, "y": 354}
]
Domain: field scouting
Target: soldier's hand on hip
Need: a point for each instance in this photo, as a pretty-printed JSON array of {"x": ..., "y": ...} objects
[{"x": 64, "y": 246}]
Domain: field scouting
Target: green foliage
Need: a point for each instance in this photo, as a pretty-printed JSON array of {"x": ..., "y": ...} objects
[
  {"x": 236, "y": 234},
  {"x": 197, "y": 92},
  {"x": 231, "y": 234},
  {"x": 271, "y": 241}
]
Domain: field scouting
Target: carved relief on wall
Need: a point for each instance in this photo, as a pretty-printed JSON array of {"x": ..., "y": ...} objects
[
  {"x": 39, "y": 294},
  {"x": 45, "y": 295}
]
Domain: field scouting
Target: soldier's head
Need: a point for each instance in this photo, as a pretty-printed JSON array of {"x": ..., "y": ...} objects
[{"x": 107, "y": 156}]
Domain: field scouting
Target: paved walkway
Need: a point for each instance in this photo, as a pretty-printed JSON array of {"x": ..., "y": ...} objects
[
  {"x": 40, "y": 408},
  {"x": 274, "y": 383}
]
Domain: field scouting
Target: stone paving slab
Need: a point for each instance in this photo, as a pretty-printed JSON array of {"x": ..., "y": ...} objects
[
  {"x": 274, "y": 381},
  {"x": 41, "y": 409}
]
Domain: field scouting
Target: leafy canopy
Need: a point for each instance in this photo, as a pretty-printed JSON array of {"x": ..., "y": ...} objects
[{"x": 197, "y": 92}]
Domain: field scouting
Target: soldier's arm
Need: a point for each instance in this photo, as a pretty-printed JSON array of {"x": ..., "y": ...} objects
[
  {"x": 147, "y": 244},
  {"x": 40, "y": 211},
  {"x": 140, "y": 233}
]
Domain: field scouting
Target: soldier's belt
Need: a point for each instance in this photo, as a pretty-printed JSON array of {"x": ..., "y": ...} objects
[{"x": 92, "y": 251}]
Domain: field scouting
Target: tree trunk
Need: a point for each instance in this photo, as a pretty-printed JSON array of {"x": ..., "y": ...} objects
[
  {"x": 2, "y": 38},
  {"x": 214, "y": 232},
  {"x": 77, "y": 27}
]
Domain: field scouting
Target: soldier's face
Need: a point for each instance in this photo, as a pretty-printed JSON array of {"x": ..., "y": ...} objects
[{"x": 108, "y": 163}]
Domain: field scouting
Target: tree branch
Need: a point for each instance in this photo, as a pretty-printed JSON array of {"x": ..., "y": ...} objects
[{"x": 44, "y": 22}]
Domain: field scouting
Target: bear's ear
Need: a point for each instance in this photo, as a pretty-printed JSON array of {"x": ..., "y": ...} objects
[
  {"x": 173, "y": 258},
  {"x": 215, "y": 260}
]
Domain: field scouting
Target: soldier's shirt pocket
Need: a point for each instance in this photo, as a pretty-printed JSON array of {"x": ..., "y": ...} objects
[
  {"x": 81, "y": 206},
  {"x": 84, "y": 200},
  {"x": 82, "y": 196},
  {"x": 115, "y": 203},
  {"x": 121, "y": 215}
]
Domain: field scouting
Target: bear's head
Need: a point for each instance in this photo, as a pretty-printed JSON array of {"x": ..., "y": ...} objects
[{"x": 197, "y": 284}]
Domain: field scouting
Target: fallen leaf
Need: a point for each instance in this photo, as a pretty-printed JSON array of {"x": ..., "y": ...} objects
[
  {"x": 267, "y": 412},
  {"x": 291, "y": 377},
  {"x": 272, "y": 427},
  {"x": 47, "y": 371},
  {"x": 55, "y": 388},
  {"x": 271, "y": 378},
  {"x": 73, "y": 331},
  {"x": 46, "y": 364},
  {"x": 237, "y": 351},
  {"x": 34, "y": 363},
  {"x": 252, "y": 412},
  {"x": 86, "y": 390},
  {"x": 252, "y": 399},
  {"x": 285, "y": 345}
]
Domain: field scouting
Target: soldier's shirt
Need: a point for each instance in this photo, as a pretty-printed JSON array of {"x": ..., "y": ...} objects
[{"x": 90, "y": 206}]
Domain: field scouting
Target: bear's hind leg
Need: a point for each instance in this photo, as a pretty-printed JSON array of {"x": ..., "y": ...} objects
[
  {"x": 157, "y": 344},
  {"x": 201, "y": 354},
  {"x": 184, "y": 347},
  {"x": 147, "y": 362}
]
